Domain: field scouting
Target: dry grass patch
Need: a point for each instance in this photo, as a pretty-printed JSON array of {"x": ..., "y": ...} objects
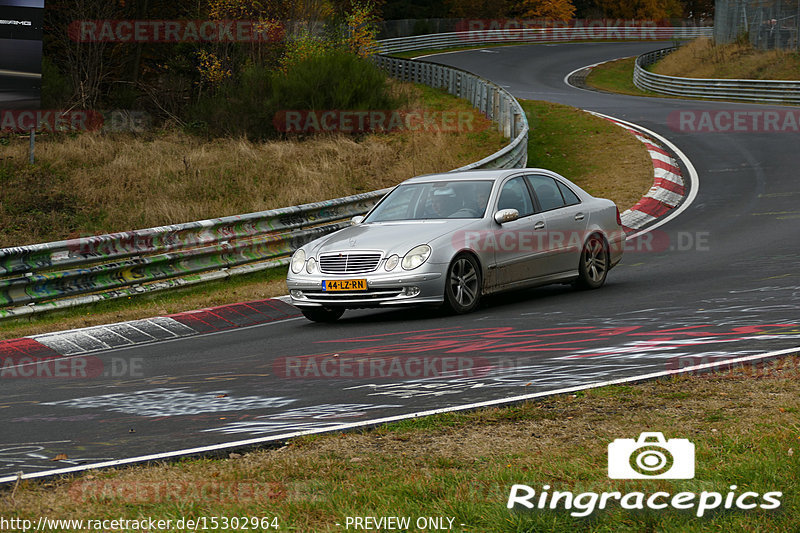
[
  {"x": 702, "y": 59},
  {"x": 91, "y": 183}
]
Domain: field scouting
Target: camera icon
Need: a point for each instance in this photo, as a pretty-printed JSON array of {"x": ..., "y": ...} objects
[{"x": 651, "y": 457}]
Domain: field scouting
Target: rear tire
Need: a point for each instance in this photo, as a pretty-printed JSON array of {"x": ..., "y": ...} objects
[
  {"x": 594, "y": 264},
  {"x": 462, "y": 289},
  {"x": 322, "y": 314}
]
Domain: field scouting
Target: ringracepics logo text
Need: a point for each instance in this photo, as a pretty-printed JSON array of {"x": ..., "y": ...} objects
[{"x": 648, "y": 457}]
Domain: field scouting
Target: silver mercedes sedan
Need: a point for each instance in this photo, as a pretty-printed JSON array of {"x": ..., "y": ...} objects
[{"x": 449, "y": 239}]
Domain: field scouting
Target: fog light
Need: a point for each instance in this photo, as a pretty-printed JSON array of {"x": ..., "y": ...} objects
[
  {"x": 391, "y": 262},
  {"x": 410, "y": 291},
  {"x": 296, "y": 294}
]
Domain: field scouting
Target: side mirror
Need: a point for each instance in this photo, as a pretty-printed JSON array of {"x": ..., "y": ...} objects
[
  {"x": 506, "y": 215},
  {"x": 358, "y": 219}
]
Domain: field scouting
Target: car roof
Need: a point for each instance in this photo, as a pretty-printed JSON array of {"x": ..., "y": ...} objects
[{"x": 474, "y": 175}]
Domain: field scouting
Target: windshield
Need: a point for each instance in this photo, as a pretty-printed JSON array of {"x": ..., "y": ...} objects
[{"x": 434, "y": 200}]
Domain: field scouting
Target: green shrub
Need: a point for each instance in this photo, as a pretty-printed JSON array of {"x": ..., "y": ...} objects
[
  {"x": 240, "y": 107},
  {"x": 56, "y": 88},
  {"x": 334, "y": 80},
  {"x": 247, "y": 105}
]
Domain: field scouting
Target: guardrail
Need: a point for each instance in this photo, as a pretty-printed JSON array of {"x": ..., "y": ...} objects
[
  {"x": 534, "y": 35},
  {"x": 489, "y": 98},
  {"x": 772, "y": 91},
  {"x": 124, "y": 264},
  {"x": 68, "y": 273}
]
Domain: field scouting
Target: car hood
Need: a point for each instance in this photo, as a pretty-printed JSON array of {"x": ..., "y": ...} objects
[{"x": 390, "y": 237}]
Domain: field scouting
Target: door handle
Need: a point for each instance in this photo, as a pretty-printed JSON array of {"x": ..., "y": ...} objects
[
  {"x": 579, "y": 216},
  {"x": 539, "y": 225}
]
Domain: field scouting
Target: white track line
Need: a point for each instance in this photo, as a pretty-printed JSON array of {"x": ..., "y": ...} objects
[
  {"x": 386, "y": 420},
  {"x": 566, "y": 78}
]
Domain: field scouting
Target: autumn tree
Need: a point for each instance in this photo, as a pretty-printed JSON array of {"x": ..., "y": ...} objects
[
  {"x": 549, "y": 9},
  {"x": 641, "y": 9},
  {"x": 478, "y": 8}
]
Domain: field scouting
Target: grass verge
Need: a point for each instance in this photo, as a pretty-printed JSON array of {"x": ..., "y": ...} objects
[
  {"x": 600, "y": 157},
  {"x": 745, "y": 430},
  {"x": 701, "y": 58},
  {"x": 616, "y": 77}
]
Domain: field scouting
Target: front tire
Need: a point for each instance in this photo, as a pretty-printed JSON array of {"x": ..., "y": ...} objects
[
  {"x": 594, "y": 264},
  {"x": 322, "y": 314},
  {"x": 462, "y": 289}
]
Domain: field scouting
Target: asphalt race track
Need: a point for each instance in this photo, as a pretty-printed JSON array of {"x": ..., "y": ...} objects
[{"x": 720, "y": 280}]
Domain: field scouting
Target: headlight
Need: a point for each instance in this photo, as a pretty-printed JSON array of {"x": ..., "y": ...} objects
[
  {"x": 298, "y": 261},
  {"x": 416, "y": 257},
  {"x": 311, "y": 265},
  {"x": 391, "y": 263}
]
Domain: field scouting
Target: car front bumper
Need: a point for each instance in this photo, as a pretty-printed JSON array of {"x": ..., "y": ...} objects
[{"x": 384, "y": 289}]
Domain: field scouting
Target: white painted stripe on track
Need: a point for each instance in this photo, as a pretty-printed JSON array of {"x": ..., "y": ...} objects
[
  {"x": 164, "y": 341},
  {"x": 661, "y": 157},
  {"x": 667, "y": 175},
  {"x": 634, "y": 217},
  {"x": 368, "y": 423},
  {"x": 664, "y": 196}
]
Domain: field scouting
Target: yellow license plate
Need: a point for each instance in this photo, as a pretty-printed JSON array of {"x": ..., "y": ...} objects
[{"x": 344, "y": 285}]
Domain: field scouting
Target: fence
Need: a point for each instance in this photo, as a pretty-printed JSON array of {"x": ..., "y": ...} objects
[
  {"x": 534, "y": 35},
  {"x": 68, "y": 273},
  {"x": 490, "y": 99},
  {"x": 745, "y": 90},
  {"x": 766, "y": 24}
]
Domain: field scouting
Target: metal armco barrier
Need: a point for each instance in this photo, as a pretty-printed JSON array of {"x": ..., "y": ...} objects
[
  {"x": 127, "y": 263},
  {"x": 64, "y": 274},
  {"x": 765, "y": 91},
  {"x": 533, "y": 35},
  {"x": 489, "y": 98}
]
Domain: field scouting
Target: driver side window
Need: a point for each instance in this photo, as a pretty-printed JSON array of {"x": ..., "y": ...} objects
[{"x": 515, "y": 195}]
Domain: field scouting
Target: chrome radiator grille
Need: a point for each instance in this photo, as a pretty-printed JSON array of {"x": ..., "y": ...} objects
[{"x": 349, "y": 263}]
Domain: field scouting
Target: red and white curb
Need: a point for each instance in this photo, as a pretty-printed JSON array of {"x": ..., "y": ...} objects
[
  {"x": 672, "y": 191},
  {"x": 668, "y": 189},
  {"x": 147, "y": 331}
]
